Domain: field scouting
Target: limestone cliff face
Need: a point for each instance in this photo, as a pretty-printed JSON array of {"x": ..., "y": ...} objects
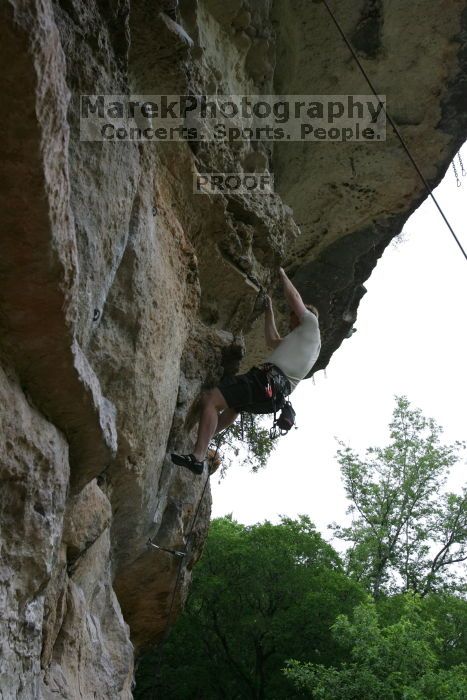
[{"x": 122, "y": 293}]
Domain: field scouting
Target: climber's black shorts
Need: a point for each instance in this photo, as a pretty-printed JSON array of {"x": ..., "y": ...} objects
[{"x": 247, "y": 392}]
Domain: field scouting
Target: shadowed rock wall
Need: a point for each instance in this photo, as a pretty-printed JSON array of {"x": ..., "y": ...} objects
[{"x": 122, "y": 293}]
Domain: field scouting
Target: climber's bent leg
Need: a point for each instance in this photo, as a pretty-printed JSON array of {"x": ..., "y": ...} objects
[
  {"x": 212, "y": 403},
  {"x": 219, "y": 409},
  {"x": 226, "y": 418}
]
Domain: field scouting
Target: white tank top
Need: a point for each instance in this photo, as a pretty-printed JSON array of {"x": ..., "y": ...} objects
[{"x": 298, "y": 351}]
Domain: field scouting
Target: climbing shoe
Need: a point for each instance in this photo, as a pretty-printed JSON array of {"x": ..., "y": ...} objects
[{"x": 188, "y": 461}]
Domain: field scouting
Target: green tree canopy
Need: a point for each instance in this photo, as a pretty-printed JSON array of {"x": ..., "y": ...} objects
[
  {"x": 406, "y": 534},
  {"x": 446, "y": 611},
  {"x": 259, "y": 595},
  {"x": 398, "y": 661}
]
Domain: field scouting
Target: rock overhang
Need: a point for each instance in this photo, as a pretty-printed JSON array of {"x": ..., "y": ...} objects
[{"x": 175, "y": 276}]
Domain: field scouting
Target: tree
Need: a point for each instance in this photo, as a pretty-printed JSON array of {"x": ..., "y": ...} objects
[
  {"x": 400, "y": 661},
  {"x": 446, "y": 611},
  {"x": 406, "y": 533},
  {"x": 259, "y": 594}
]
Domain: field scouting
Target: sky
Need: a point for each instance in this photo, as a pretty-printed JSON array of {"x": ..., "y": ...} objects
[{"x": 411, "y": 339}]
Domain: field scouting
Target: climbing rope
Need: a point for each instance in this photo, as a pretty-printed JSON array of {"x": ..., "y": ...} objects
[
  {"x": 394, "y": 126},
  {"x": 181, "y": 554}
]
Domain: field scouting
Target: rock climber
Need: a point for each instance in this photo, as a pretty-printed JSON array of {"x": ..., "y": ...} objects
[{"x": 291, "y": 359}]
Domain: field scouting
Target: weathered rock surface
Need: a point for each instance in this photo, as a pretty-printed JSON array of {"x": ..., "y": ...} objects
[{"x": 122, "y": 293}]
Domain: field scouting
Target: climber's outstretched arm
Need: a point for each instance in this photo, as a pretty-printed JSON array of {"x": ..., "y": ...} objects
[
  {"x": 292, "y": 297},
  {"x": 270, "y": 331}
]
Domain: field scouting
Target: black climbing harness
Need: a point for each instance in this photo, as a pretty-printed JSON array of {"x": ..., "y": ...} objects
[{"x": 275, "y": 388}]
